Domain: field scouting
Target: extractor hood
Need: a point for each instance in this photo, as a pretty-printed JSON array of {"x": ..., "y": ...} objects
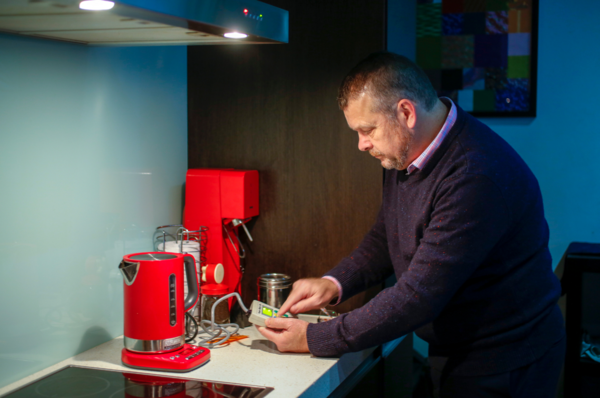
[{"x": 147, "y": 22}]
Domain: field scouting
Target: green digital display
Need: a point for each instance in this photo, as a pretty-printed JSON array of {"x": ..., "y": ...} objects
[{"x": 267, "y": 311}]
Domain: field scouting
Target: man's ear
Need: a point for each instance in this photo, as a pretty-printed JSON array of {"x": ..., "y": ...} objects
[{"x": 406, "y": 113}]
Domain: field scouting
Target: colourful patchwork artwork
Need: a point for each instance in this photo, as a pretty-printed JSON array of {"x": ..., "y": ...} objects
[{"x": 480, "y": 53}]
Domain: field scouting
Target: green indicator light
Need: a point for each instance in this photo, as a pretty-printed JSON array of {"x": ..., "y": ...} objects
[
  {"x": 267, "y": 311},
  {"x": 261, "y": 15}
]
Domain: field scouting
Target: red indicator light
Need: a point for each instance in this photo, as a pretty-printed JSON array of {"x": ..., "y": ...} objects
[{"x": 245, "y": 11}]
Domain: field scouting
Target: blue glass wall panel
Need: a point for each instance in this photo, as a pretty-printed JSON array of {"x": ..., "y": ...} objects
[{"x": 93, "y": 155}]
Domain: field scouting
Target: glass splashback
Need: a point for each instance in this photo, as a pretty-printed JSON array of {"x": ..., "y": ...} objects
[{"x": 93, "y": 155}]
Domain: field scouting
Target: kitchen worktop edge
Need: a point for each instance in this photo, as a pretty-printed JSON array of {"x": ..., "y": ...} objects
[{"x": 252, "y": 361}]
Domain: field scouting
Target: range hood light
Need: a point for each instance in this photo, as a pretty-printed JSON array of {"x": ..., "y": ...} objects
[
  {"x": 145, "y": 22},
  {"x": 235, "y": 35},
  {"x": 96, "y": 5}
]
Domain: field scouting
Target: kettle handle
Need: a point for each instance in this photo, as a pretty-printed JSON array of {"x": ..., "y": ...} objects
[{"x": 192, "y": 282}]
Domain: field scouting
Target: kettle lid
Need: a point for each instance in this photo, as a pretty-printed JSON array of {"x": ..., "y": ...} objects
[{"x": 151, "y": 256}]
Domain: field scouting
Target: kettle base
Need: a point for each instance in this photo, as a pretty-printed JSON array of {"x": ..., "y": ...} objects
[{"x": 185, "y": 359}]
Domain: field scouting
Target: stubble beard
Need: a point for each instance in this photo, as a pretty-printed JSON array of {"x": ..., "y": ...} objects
[{"x": 398, "y": 162}]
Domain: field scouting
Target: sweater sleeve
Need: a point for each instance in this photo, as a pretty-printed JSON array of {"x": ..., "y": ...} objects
[
  {"x": 468, "y": 219},
  {"x": 367, "y": 265}
]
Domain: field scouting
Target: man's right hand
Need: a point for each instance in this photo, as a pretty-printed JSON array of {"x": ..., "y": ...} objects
[{"x": 309, "y": 294}]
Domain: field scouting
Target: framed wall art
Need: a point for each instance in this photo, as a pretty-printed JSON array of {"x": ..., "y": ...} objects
[{"x": 481, "y": 53}]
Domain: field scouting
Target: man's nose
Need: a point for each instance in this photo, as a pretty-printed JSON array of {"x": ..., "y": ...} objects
[{"x": 363, "y": 143}]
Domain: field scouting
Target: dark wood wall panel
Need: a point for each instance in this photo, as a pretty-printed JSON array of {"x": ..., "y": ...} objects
[{"x": 273, "y": 108}]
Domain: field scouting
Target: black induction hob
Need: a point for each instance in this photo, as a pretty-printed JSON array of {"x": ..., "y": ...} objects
[{"x": 75, "y": 382}]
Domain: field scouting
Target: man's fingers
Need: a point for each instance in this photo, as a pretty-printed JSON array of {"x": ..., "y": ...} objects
[
  {"x": 288, "y": 334},
  {"x": 300, "y": 291},
  {"x": 285, "y": 308},
  {"x": 278, "y": 323},
  {"x": 308, "y": 304},
  {"x": 294, "y": 297},
  {"x": 307, "y": 294},
  {"x": 299, "y": 307},
  {"x": 269, "y": 334}
]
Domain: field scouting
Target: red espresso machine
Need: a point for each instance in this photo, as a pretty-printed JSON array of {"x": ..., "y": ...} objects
[{"x": 222, "y": 200}]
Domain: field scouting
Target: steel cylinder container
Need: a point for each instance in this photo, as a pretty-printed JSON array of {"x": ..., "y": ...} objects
[{"x": 274, "y": 289}]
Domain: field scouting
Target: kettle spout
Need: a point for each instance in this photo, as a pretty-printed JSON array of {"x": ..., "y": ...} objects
[{"x": 129, "y": 271}]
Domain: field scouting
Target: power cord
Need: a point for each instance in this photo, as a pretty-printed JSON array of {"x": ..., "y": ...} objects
[
  {"x": 189, "y": 321},
  {"x": 214, "y": 330}
]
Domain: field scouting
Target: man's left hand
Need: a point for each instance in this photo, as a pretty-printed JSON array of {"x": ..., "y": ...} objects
[{"x": 288, "y": 334}]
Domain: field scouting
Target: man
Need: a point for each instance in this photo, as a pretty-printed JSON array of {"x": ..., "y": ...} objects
[{"x": 461, "y": 226}]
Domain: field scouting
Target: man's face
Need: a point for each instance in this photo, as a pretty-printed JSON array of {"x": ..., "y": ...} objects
[{"x": 385, "y": 139}]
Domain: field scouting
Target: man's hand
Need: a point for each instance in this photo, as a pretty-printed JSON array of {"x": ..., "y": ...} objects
[
  {"x": 309, "y": 294},
  {"x": 288, "y": 334}
]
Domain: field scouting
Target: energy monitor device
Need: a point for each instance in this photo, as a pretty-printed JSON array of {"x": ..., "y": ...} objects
[{"x": 261, "y": 311}]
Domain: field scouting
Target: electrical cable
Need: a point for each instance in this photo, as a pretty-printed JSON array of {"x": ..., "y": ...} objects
[
  {"x": 189, "y": 319},
  {"x": 214, "y": 330}
]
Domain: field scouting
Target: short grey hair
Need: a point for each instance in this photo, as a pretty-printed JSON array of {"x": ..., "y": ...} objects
[{"x": 387, "y": 78}]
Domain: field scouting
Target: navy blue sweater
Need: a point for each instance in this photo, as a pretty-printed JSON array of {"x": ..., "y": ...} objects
[{"x": 467, "y": 241}]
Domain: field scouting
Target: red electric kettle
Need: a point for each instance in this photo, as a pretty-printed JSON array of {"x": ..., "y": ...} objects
[{"x": 155, "y": 311}]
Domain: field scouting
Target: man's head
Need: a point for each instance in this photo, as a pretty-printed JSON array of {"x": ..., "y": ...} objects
[{"x": 382, "y": 98}]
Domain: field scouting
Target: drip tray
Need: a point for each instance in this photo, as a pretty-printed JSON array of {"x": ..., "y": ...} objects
[{"x": 73, "y": 382}]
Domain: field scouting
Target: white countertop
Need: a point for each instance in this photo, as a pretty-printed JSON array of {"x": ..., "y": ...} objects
[{"x": 252, "y": 361}]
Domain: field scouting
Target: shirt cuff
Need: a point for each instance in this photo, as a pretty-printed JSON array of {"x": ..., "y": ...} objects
[{"x": 339, "y": 287}]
